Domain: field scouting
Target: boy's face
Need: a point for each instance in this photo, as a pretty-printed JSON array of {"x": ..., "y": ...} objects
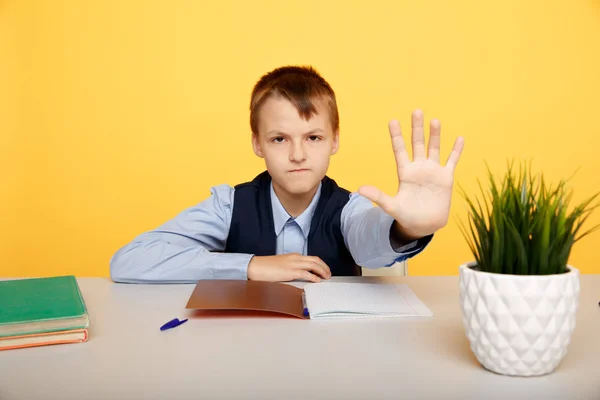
[{"x": 296, "y": 151}]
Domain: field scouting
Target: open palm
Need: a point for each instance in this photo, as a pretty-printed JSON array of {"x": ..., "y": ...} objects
[{"x": 422, "y": 204}]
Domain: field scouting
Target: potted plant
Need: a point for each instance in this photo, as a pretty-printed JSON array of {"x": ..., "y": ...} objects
[{"x": 519, "y": 297}]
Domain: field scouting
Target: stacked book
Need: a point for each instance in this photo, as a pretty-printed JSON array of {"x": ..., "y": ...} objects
[{"x": 41, "y": 311}]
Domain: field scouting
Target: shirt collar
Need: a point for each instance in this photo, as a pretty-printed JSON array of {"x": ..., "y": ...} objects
[{"x": 281, "y": 216}]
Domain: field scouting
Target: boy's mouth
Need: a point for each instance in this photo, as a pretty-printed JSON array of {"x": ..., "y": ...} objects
[{"x": 298, "y": 170}]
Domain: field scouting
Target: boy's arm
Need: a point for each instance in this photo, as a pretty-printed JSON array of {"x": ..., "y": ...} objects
[
  {"x": 369, "y": 237},
  {"x": 184, "y": 249}
]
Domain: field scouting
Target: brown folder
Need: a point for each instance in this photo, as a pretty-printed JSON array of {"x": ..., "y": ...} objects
[{"x": 242, "y": 295}]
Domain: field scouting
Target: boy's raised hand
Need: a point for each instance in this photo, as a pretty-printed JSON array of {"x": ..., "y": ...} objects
[
  {"x": 422, "y": 204},
  {"x": 288, "y": 267}
]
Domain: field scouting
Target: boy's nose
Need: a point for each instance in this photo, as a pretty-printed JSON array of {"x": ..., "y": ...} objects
[{"x": 297, "y": 153}]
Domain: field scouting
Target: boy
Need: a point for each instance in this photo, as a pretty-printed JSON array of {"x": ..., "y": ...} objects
[{"x": 292, "y": 221}]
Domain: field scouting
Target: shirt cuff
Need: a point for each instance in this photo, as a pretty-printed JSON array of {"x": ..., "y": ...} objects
[
  {"x": 402, "y": 248},
  {"x": 231, "y": 266},
  {"x": 391, "y": 252}
]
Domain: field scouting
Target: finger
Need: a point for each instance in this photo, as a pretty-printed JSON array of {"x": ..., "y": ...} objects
[
  {"x": 398, "y": 146},
  {"x": 418, "y": 136},
  {"x": 377, "y": 196},
  {"x": 434, "y": 140},
  {"x": 322, "y": 264},
  {"x": 321, "y": 268},
  {"x": 308, "y": 264},
  {"x": 307, "y": 276},
  {"x": 454, "y": 156}
]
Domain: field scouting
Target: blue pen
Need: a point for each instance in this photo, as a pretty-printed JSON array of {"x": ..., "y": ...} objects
[
  {"x": 172, "y": 324},
  {"x": 305, "y": 310}
]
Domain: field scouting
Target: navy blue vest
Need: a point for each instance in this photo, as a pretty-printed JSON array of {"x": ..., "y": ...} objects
[{"x": 252, "y": 230}]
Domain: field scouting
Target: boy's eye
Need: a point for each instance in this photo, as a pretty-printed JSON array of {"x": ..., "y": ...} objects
[
  {"x": 277, "y": 140},
  {"x": 314, "y": 138}
]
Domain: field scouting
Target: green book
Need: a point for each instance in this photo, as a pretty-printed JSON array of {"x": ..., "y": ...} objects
[{"x": 38, "y": 305}]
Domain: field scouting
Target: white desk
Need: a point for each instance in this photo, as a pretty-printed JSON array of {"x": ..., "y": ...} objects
[{"x": 128, "y": 357}]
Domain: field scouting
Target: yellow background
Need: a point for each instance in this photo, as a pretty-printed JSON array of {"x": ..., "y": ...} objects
[{"x": 117, "y": 115}]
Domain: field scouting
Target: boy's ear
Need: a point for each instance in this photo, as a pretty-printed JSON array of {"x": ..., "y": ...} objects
[
  {"x": 336, "y": 142},
  {"x": 256, "y": 146}
]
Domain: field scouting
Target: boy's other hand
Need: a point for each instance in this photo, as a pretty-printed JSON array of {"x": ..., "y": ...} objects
[
  {"x": 422, "y": 204},
  {"x": 287, "y": 267}
]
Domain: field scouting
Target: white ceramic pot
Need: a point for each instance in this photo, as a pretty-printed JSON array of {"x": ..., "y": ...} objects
[{"x": 519, "y": 324}]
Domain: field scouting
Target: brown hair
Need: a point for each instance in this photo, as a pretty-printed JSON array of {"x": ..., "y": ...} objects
[{"x": 300, "y": 85}]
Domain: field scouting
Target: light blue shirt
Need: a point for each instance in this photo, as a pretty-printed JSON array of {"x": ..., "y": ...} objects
[{"x": 190, "y": 246}]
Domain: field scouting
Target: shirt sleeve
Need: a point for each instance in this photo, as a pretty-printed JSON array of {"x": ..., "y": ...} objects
[
  {"x": 366, "y": 230},
  {"x": 186, "y": 248}
]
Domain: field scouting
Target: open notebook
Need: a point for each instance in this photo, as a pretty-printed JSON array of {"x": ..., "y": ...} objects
[
  {"x": 323, "y": 300},
  {"x": 359, "y": 300}
]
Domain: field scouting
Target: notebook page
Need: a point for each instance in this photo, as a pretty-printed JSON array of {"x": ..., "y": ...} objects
[{"x": 352, "y": 300}]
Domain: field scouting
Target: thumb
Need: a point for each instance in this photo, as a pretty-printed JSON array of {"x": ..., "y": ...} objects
[{"x": 377, "y": 196}]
